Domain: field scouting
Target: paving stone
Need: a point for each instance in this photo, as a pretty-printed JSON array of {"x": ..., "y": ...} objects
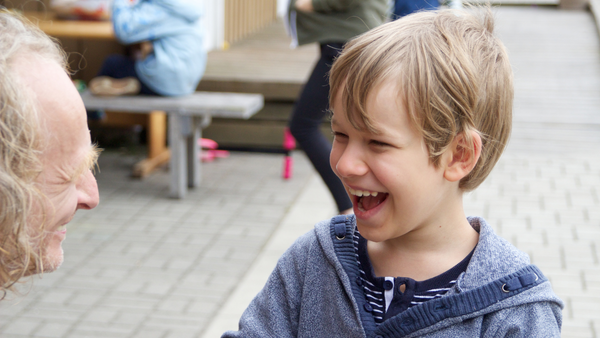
[
  {"x": 54, "y": 312},
  {"x": 130, "y": 318},
  {"x": 100, "y": 315},
  {"x": 150, "y": 333},
  {"x": 94, "y": 330},
  {"x": 58, "y": 296},
  {"x": 183, "y": 333},
  {"x": 52, "y": 330},
  {"x": 22, "y": 327}
]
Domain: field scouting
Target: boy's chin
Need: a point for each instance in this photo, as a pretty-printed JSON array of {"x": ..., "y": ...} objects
[{"x": 369, "y": 233}]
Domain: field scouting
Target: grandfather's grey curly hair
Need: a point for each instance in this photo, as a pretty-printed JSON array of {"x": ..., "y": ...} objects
[{"x": 20, "y": 145}]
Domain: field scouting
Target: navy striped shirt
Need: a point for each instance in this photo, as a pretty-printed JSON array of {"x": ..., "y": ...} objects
[{"x": 383, "y": 293}]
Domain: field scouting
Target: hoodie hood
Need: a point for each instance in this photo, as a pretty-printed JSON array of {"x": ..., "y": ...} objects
[{"x": 487, "y": 264}]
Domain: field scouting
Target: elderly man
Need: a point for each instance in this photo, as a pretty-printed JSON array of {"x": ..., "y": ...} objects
[{"x": 46, "y": 154}]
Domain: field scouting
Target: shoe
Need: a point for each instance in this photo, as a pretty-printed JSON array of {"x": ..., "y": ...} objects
[{"x": 108, "y": 86}]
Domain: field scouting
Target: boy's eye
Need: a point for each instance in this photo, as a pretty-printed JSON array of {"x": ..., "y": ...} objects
[
  {"x": 378, "y": 143},
  {"x": 338, "y": 135}
]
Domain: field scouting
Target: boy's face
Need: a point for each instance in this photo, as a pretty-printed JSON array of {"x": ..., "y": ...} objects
[{"x": 394, "y": 165}]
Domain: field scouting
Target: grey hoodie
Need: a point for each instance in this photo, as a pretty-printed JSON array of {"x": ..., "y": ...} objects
[{"x": 313, "y": 292}]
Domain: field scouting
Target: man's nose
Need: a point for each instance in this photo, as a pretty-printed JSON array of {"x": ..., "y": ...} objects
[{"x": 88, "y": 197}]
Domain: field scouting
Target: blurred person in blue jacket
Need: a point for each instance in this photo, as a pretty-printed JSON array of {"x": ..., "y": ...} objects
[
  {"x": 170, "y": 58},
  {"x": 406, "y": 7}
]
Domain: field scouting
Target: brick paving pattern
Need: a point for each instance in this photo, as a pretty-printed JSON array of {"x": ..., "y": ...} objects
[{"x": 143, "y": 265}]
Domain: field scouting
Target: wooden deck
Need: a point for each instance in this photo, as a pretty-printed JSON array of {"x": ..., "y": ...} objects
[
  {"x": 556, "y": 61},
  {"x": 554, "y": 54}
]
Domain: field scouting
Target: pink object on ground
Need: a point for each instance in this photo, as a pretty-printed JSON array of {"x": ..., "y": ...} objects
[
  {"x": 209, "y": 150},
  {"x": 289, "y": 143},
  {"x": 206, "y": 143},
  {"x": 288, "y": 163}
]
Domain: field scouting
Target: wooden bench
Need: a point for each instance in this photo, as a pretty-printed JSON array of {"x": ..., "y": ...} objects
[{"x": 187, "y": 116}]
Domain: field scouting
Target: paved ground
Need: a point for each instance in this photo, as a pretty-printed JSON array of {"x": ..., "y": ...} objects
[{"x": 142, "y": 265}]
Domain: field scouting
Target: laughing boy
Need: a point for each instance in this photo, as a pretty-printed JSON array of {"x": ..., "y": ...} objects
[{"x": 421, "y": 112}]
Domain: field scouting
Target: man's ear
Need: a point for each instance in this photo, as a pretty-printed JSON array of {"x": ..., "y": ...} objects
[{"x": 462, "y": 156}]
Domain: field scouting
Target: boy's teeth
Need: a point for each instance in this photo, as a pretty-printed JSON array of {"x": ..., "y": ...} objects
[{"x": 360, "y": 193}]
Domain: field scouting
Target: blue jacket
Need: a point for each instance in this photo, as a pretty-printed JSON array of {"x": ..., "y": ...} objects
[
  {"x": 313, "y": 292},
  {"x": 173, "y": 26}
]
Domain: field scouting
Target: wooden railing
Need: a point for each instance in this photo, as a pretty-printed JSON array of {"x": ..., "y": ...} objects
[{"x": 243, "y": 17}]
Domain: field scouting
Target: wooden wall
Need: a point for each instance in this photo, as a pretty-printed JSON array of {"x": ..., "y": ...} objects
[{"x": 243, "y": 17}]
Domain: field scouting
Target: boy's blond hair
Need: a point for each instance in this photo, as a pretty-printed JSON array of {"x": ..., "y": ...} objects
[{"x": 452, "y": 73}]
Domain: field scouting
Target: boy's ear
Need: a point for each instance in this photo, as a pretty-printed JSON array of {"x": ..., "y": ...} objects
[{"x": 460, "y": 159}]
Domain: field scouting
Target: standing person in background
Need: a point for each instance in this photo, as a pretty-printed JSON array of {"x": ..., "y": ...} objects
[
  {"x": 170, "y": 60},
  {"x": 46, "y": 152},
  {"x": 330, "y": 23},
  {"x": 405, "y": 7}
]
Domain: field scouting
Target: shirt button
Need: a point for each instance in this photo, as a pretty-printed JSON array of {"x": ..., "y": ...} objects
[
  {"x": 359, "y": 281},
  {"x": 388, "y": 285},
  {"x": 368, "y": 307}
]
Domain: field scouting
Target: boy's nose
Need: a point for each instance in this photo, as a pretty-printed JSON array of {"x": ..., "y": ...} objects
[{"x": 351, "y": 163}]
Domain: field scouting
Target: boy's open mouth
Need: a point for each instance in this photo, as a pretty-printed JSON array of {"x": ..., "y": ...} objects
[{"x": 367, "y": 200}]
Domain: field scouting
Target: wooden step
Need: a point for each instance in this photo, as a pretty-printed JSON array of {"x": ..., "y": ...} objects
[
  {"x": 261, "y": 63},
  {"x": 262, "y": 131}
]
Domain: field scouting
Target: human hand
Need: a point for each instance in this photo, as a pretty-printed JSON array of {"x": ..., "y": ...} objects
[
  {"x": 141, "y": 50},
  {"x": 304, "y": 6}
]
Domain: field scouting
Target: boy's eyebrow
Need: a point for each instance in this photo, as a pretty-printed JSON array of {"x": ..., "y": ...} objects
[
  {"x": 89, "y": 161},
  {"x": 333, "y": 119}
]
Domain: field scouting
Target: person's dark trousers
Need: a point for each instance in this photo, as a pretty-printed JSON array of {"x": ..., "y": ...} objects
[
  {"x": 121, "y": 66},
  {"x": 405, "y": 7},
  {"x": 310, "y": 110}
]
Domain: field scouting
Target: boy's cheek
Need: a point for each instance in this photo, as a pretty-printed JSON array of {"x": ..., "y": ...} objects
[{"x": 333, "y": 160}]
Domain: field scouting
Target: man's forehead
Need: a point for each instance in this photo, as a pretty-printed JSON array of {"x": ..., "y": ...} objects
[
  {"x": 60, "y": 110},
  {"x": 53, "y": 92}
]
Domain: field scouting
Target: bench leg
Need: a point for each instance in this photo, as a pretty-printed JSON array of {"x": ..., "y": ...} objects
[
  {"x": 178, "y": 145},
  {"x": 194, "y": 171}
]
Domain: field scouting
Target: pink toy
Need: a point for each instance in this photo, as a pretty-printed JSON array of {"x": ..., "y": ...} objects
[
  {"x": 289, "y": 143},
  {"x": 209, "y": 150}
]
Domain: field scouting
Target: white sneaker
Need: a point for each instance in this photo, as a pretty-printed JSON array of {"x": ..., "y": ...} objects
[{"x": 108, "y": 86}]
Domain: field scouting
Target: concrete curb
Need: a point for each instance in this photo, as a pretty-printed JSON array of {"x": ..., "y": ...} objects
[{"x": 595, "y": 9}]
